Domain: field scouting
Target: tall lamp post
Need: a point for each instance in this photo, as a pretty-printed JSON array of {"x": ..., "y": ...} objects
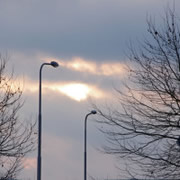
[
  {"x": 53, "y": 64},
  {"x": 85, "y": 144}
]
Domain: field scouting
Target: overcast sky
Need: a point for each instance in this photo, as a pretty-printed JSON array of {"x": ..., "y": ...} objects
[{"x": 89, "y": 39}]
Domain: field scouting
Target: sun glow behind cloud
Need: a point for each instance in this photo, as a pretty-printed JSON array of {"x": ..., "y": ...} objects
[
  {"x": 75, "y": 90},
  {"x": 78, "y": 91}
]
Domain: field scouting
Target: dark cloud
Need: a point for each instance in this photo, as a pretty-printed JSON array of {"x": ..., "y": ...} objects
[{"x": 92, "y": 29}]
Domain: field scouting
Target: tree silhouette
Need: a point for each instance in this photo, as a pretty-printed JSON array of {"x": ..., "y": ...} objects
[
  {"x": 144, "y": 131},
  {"x": 16, "y": 135}
]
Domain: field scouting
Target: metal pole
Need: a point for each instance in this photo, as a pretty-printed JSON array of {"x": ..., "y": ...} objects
[
  {"x": 40, "y": 124},
  {"x": 85, "y": 143},
  {"x": 53, "y": 64},
  {"x": 85, "y": 147}
]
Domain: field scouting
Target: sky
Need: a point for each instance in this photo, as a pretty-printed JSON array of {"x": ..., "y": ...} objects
[{"x": 89, "y": 40}]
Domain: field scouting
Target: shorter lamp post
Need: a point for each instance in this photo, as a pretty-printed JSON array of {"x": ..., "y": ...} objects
[{"x": 85, "y": 144}]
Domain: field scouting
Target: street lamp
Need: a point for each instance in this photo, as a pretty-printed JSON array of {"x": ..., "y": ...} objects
[
  {"x": 85, "y": 144},
  {"x": 53, "y": 64}
]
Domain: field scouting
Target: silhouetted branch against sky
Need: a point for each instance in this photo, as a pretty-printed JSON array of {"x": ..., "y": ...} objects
[
  {"x": 145, "y": 129},
  {"x": 16, "y": 135}
]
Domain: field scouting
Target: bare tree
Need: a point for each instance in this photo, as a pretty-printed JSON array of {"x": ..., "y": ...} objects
[
  {"x": 16, "y": 136},
  {"x": 144, "y": 130}
]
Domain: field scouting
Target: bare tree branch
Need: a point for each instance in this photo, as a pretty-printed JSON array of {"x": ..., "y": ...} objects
[
  {"x": 145, "y": 129},
  {"x": 16, "y": 135}
]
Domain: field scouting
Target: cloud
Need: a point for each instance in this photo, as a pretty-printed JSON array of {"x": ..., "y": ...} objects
[
  {"x": 82, "y": 65},
  {"x": 88, "y": 39},
  {"x": 93, "y": 29},
  {"x": 30, "y": 163},
  {"x": 75, "y": 90},
  {"x": 62, "y": 155},
  {"x": 79, "y": 91}
]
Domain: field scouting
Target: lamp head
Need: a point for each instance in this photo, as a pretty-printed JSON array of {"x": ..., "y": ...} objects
[
  {"x": 54, "y": 64},
  {"x": 93, "y": 112}
]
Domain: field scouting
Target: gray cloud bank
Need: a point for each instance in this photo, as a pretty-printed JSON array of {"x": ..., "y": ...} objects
[{"x": 97, "y": 29}]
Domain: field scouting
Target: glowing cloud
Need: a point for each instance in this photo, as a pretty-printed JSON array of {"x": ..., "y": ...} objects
[
  {"x": 29, "y": 163},
  {"x": 112, "y": 69},
  {"x": 78, "y": 91},
  {"x": 82, "y": 65},
  {"x": 79, "y": 64},
  {"x": 75, "y": 90}
]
